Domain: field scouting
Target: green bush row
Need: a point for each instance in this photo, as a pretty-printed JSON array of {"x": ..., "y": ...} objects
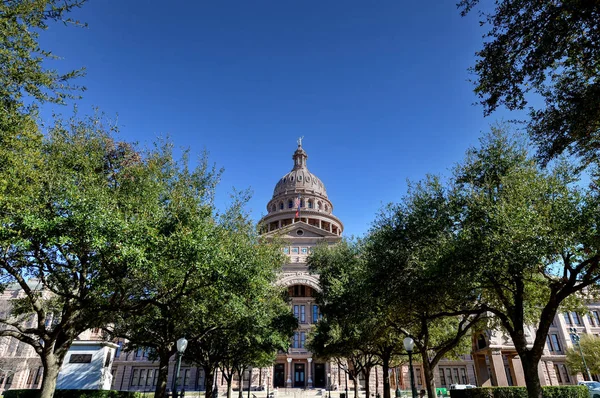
[
  {"x": 521, "y": 392},
  {"x": 35, "y": 393}
]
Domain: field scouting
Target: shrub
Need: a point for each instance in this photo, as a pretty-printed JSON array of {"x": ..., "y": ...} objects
[
  {"x": 521, "y": 392},
  {"x": 565, "y": 392},
  {"x": 35, "y": 393}
]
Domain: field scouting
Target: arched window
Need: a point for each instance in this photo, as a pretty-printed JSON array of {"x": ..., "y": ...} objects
[
  {"x": 319, "y": 205},
  {"x": 326, "y": 208},
  {"x": 309, "y": 204},
  {"x": 290, "y": 204},
  {"x": 280, "y": 205},
  {"x": 301, "y": 202},
  {"x": 481, "y": 343}
]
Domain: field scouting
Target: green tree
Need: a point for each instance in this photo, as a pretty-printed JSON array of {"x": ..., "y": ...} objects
[
  {"x": 254, "y": 320},
  {"x": 408, "y": 251},
  {"x": 90, "y": 232},
  {"x": 356, "y": 341},
  {"x": 546, "y": 49},
  {"x": 528, "y": 239},
  {"x": 590, "y": 345}
]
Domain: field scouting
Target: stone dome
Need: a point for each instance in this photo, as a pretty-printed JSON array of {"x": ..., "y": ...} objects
[{"x": 299, "y": 179}]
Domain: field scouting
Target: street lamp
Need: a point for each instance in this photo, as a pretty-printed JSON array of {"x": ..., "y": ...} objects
[
  {"x": 329, "y": 382},
  {"x": 575, "y": 338},
  {"x": 181, "y": 346},
  {"x": 398, "y": 393},
  {"x": 408, "y": 346}
]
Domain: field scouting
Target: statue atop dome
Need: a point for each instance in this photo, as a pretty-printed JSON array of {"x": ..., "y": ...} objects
[{"x": 299, "y": 141}]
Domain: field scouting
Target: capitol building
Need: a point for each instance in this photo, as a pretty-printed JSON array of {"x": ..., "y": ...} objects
[{"x": 301, "y": 213}]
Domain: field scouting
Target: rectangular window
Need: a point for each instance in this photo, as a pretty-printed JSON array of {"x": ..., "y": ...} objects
[
  {"x": 442, "y": 377},
  {"x": 30, "y": 376},
  {"x": 463, "y": 373},
  {"x": 565, "y": 374},
  {"x": 449, "y": 376},
  {"x": 296, "y": 341},
  {"x": 302, "y": 339},
  {"x": 155, "y": 378},
  {"x": 138, "y": 352},
  {"x": 557, "y": 371},
  {"x": 119, "y": 349},
  {"x": 142, "y": 377},
  {"x": 576, "y": 319},
  {"x": 567, "y": 318},
  {"x": 591, "y": 318},
  {"x": 186, "y": 377},
  {"x": 597, "y": 316},
  {"x": 556, "y": 343},
  {"x": 38, "y": 375},
  {"x": 302, "y": 314},
  {"x": 295, "y": 250},
  {"x": 297, "y": 311},
  {"x": 418, "y": 374},
  {"x": 549, "y": 343},
  {"x": 150, "y": 377},
  {"x": 135, "y": 377},
  {"x": 456, "y": 378},
  {"x": 315, "y": 314}
]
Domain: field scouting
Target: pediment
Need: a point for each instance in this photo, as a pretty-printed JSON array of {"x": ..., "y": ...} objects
[{"x": 308, "y": 231}]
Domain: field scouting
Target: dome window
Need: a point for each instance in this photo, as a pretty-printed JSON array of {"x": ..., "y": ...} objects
[
  {"x": 290, "y": 204},
  {"x": 299, "y": 232},
  {"x": 280, "y": 205},
  {"x": 284, "y": 180},
  {"x": 299, "y": 178},
  {"x": 292, "y": 178},
  {"x": 307, "y": 179},
  {"x": 319, "y": 205},
  {"x": 310, "y": 204}
]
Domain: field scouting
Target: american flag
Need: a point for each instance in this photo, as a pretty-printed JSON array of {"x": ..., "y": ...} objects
[{"x": 297, "y": 205}]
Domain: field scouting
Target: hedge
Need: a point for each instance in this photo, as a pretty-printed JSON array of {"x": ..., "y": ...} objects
[
  {"x": 521, "y": 392},
  {"x": 35, "y": 393}
]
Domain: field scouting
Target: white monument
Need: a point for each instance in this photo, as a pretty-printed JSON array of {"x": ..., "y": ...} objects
[{"x": 87, "y": 366}]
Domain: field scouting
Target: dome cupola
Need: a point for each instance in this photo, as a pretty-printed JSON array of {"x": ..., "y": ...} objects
[{"x": 299, "y": 188}]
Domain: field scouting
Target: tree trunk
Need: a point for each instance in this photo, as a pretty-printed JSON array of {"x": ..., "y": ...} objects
[
  {"x": 429, "y": 379},
  {"x": 367, "y": 373},
  {"x": 241, "y": 384},
  {"x": 51, "y": 369},
  {"x": 209, "y": 381},
  {"x": 532, "y": 377},
  {"x": 386, "y": 377},
  {"x": 356, "y": 385},
  {"x": 163, "y": 374},
  {"x": 229, "y": 379}
]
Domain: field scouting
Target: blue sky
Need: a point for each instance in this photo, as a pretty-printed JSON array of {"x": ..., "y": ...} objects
[{"x": 379, "y": 89}]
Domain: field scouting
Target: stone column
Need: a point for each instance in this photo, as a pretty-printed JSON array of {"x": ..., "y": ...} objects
[
  {"x": 498, "y": 368},
  {"x": 309, "y": 372},
  {"x": 483, "y": 376},
  {"x": 289, "y": 379},
  {"x": 518, "y": 370}
]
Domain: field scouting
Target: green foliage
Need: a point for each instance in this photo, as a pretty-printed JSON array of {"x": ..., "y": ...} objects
[
  {"x": 24, "y": 63},
  {"x": 521, "y": 392},
  {"x": 33, "y": 393},
  {"x": 548, "y": 49},
  {"x": 590, "y": 345},
  {"x": 565, "y": 392}
]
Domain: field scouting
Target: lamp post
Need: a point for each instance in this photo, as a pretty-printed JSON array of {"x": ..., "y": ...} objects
[
  {"x": 408, "y": 346},
  {"x": 329, "y": 383},
  {"x": 181, "y": 346},
  {"x": 267, "y": 376},
  {"x": 398, "y": 393},
  {"x": 575, "y": 338}
]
